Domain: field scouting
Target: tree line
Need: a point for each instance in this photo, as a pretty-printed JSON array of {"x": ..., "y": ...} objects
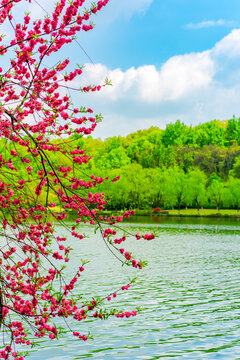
[
  {"x": 170, "y": 188},
  {"x": 181, "y": 166},
  {"x": 212, "y": 147}
]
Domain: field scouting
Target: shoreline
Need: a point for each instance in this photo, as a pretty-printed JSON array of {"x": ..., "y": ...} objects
[
  {"x": 192, "y": 213},
  {"x": 205, "y": 213}
]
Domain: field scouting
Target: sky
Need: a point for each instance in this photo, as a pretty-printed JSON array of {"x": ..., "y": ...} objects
[{"x": 166, "y": 59}]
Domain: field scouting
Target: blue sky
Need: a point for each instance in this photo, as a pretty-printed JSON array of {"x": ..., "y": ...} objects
[
  {"x": 167, "y": 60},
  {"x": 150, "y": 32}
]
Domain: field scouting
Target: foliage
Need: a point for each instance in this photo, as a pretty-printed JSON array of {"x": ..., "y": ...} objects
[
  {"x": 216, "y": 193},
  {"x": 196, "y": 185},
  {"x": 233, "y": 197},
  {"x": 203, "y": 153}
]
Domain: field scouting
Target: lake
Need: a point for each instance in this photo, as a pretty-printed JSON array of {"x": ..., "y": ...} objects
[{"x": 190, "y": 292}]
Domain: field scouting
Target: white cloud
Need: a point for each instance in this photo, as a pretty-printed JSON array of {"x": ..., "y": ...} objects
[
  {"x": 229, "y": 46},
  {"x": 210, "y": 23},
  {"x": 176, "y": 78},
  {"x": 194, "y": 88}
]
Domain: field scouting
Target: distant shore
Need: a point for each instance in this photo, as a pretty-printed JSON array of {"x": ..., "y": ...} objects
[
  {"x": 210, "y": 213},
  {"x": 233, "y": 213}
]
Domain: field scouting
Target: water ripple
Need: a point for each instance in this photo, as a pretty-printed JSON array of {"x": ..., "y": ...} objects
[{"x": 190, "y": 294}]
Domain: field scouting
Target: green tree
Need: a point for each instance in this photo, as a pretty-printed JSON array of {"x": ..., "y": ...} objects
[
  {"x": 235, "y": 172},
  {"x": 212, "y": 132},
  {"x": 116, "y": 158},
  {"x": 174, "y": 134},
  {"x": 233, "y": 185},
  {"x": 158, "y": 183},
  {"x": 176, "y": 188},
  {"x": 196, "y": 184},
  {"x": 216, "y": 193},
  {"x": 232, "y": 133},
  {"x": 137, "y": 186},
  {"x": 211, "y": 158}
]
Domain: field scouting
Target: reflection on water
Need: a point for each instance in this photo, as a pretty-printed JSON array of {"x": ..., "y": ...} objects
[
  {"x": 190, "y": 294},
  {"x": 191, "y": 220}
]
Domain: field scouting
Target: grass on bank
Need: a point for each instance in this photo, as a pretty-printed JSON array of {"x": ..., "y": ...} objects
[
  {"x": 204, "y": 212},
  {"x": 191, "y": 212},
  {"x": 175, "y": 212}
]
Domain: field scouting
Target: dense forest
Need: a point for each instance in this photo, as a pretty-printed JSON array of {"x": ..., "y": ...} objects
[{"x": 181, "y": 166}]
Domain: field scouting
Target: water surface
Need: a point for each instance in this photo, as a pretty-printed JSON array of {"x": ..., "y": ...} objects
[{"x": 190, "y": 293}]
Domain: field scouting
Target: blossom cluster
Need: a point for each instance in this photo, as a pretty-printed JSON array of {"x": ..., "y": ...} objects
[{"x": 39, "y": 123}]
